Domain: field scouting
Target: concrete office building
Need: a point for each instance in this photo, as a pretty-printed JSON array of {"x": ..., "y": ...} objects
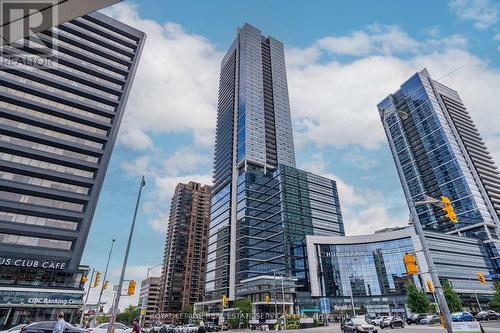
[
  {"x": 183, "y": 274},
  {"x": 58, "y": 124},
  {"x": 439, "y": 151},
  {"x": 262, "y": 206},
  {"x": 370, "y": 268},
  {"x": 148, "y": 300}
]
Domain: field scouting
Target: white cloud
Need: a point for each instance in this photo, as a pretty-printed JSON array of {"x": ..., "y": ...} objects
[
  {"x": 378, "y": 40},
  {"x": 137, "y": 273},
  {"x": 358, "y": 160},
  {"x": 484, "y": 13},
  {"x": 175, "y": 88},
  {"x": 164, "y": 175},
  {"x": 334, "y": 103},
  {"x": 363, "y": 209}
]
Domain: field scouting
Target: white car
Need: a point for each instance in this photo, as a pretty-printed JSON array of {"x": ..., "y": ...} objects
[
  {"x": 190, "y": 328},
  {"x": 15, "y": 329},
  {"x": 103, "y": 328}
]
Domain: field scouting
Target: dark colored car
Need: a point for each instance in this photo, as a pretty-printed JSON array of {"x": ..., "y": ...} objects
[
  {"x": 357, "y": 325},
  {"x": 415, "y": 318},
  {"x": 462, "y": 316},
  {"x": 392, "y": 322},
  {"x": 487, "y": 315},
  {"x": 48, "y": 327},
  {"x": 211, "y": 327}
]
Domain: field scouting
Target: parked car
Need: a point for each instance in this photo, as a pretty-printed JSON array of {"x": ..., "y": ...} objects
[
  {"x": 211, "y": 327},
  {"x": 430, "y": 319},
  {"x": 462, "y": 316},
  {"x": 357, "y": 325},
  {"x": 392, "y": 322},
  {"x": 415, "y": 318},
  {"x": 48, "y": 327},
  {"x": 487, "y": 315},
  {"x": 15, "y": 329},
  {"x": 103, "y": 328},
  {"x": 166, "y": 328},
  {"x": 376, "y": 321}
]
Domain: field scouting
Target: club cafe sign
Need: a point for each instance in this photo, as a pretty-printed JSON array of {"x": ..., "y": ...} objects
[{"x": 32, "y": 263}]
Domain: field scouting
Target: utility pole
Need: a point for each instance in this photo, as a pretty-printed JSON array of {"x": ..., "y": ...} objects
[
  {"x": 141, "y": 317},
  {"x": 443, "y": 306},
  {"x": 104, "y": 279},
  {"x": 275, "y": 298},
  {"x": 87, "y": 296},
  {"x": 114, "y": 310},
  {"x": 475, "y": 295}
]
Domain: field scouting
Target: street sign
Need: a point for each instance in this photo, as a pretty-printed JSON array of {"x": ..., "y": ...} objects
[
  {"x": 466, "y": 327},
  {"x": 492, "y": 276},
  {"x": 143, "y": 312}
]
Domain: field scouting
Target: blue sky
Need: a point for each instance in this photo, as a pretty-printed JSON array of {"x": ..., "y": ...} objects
[{"x": 343, "y": 57}]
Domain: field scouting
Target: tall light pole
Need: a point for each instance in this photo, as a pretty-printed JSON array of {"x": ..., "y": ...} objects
[
  {"x": 104, "y": 279},
  {"x": 87, "y": 296},
  {"x": 141, "y": 317},
  {"x": 114, "y": 310},
  {"x": 443, "y": 306}
]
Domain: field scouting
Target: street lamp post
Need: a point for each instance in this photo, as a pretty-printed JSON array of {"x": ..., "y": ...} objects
[
  {"x": 475, "y": 294},
  {"x": 104, "y": 279},
  {"x": 112, "y": 317},
  {"x": 87, "y": 297},
  {"x": 141, "y": 317}
]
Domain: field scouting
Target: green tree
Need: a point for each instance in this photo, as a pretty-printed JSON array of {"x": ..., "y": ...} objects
[
  {"x": 244, "y": 311},
  {"x": 186, "y": 314},
  {"x": 128, "y": 315},
  {"x": 495, "y": 302},
  {"x": 451, "y": 297},
  {"x": 417, "y": 299}
]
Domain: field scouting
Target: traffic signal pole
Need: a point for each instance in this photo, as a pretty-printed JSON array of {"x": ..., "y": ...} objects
[
  {"x": 87, "y": 297},
  {"x": 114, "y": 309},
  {"x": 438, "y": 290},
  {"x": 104, "y": 281}
]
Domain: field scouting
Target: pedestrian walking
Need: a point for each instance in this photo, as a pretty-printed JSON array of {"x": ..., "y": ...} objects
[
  {"x": 61, "y": 324},
  {"x": 136, "y": 328}
]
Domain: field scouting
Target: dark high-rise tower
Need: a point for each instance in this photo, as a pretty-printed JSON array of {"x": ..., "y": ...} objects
[
  {"x": 58, "y": 124},
  {"x": 183, "y": 276},
  {"x": 262, "y": 206},
  {"x": 439, "y": 151}
]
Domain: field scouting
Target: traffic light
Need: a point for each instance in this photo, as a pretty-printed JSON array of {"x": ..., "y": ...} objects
[
  {"x": 448, "y": 208},
  {"x": 97, "y": 279},
  {"x": 106, "y": 285},
  {"x": 480, "y": 277},
  {"x": 224, "y": 301},
  {"x": 268, "y": 299},
  {"x": 430, "y": 286},
  {"x": 101, "y": 308},
  {"x": 131, "y": 288},
  {"x": 410, "y": 264}
]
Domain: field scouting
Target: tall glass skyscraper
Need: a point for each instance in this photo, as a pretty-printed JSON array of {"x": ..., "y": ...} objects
[
  {"x": 262, "y": 206},
  {"x": 439, "y": 151},
  {"x": 58, "y": 124}
]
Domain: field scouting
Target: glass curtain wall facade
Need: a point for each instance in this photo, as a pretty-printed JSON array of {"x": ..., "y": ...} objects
[
  {"x": 262, "y": 206},
  {"x": 254, "y": 130},
  {"x": 58, "y": 126},
  {"x": 371, "y": 269},
  {"x": 438, "y": 151}
]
